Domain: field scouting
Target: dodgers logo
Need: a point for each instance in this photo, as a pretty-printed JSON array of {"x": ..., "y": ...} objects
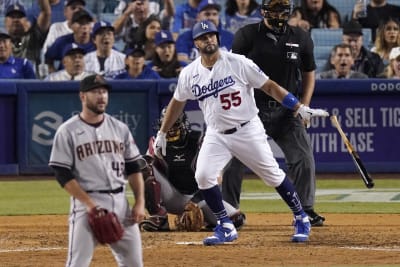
[
  {"x": 212, "y": 88},
  {"x": 204, "y": 25}
]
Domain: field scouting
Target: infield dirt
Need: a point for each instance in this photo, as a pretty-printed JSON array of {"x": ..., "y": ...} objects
[{"x": 345, "y": 240}]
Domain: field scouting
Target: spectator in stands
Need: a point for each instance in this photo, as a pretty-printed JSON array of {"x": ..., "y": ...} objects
[
  {"x": 342, "y": 60},
  {"x": 28, "y": 38},
  {"x": 13, "y": 67},
  {"x": 365, "y": 61},
  {"x": 104, "y": 60},
  {"x": 145, "y": 36},
  {"x": 74, "y": 65},
  {"x": 208, "y": 10},
  {"x": 57, "y": 7},
  {"x": 185, "y": 17},
  {"x": 241, "y": 12},
  {"x": 137, "y": 12},
  {"x": 166, "y": 13},
  {"x": 315, "y": 14},
  {"x": 81, "y": 27},
  {"x": 388, "y": 36},
  {"x": 136, "y": 67},
  {"x": 58, "y": 29},
  {"x": 392, "y": 70},
  {"x": 377, "y": 10},
  {"x": 165, "y": 61}
]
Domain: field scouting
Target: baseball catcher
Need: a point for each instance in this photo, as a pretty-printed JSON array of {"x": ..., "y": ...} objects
[{"x": 170, "y": 186}]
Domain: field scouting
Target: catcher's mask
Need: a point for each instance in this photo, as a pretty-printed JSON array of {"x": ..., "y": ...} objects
[
  {"x": 177, "y": 133},
  {"x": 277, "y": 13}
]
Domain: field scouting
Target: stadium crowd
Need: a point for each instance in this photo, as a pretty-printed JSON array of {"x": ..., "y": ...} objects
[{"x": 151, "y": 39}]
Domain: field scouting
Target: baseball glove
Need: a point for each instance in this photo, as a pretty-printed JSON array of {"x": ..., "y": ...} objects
[
  {"x": 191, "y": 220},
  {"x": 105, "y": 225}
]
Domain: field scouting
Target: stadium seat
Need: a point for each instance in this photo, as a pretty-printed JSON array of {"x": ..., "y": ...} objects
[
  {"x": 331, "y": 37},
  {"x": 345, "y": 8},
  {"x": 320, "y": 65},
  {"x": 326, "y": 37},
  {"x": 322, "y": 52}
]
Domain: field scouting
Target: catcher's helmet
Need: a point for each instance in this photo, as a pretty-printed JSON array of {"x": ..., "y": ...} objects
[
  {"x": 203, "y": 27},
  {"x": 179, "y": 130},
  {"x": 277, "y": 13}
]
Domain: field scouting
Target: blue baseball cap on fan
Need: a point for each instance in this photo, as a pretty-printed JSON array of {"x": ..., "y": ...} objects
[
  {"x": 70, "y": 49},
  {"x": 208, "y": 4},
  {"x": 163, "y": 37},
  {"x": 101, "y": 25},
  {"x": 14, "y": 8}
]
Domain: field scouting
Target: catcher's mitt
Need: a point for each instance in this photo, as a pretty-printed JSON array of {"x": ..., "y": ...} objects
[
  {"x": 105, "y": 225},
  {"x": 191, "y": 220}
]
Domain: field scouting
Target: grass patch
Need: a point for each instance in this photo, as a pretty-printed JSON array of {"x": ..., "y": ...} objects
[{"x": 47, "y": 197}]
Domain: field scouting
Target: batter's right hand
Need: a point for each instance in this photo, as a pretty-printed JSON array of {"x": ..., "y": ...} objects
[
  {"x": 307, "y": 113},
  {"x": 160, "y": 144}
]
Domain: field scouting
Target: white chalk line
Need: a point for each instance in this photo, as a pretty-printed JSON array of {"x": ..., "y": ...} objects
[
  {"x": 372, "y": 248},
  {"x": 30, "y": 249},
  {"x": 188, "y": 243}
]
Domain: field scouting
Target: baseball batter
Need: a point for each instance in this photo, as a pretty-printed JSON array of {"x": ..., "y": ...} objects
[
  {"x": 223, "y": 84},
  {"x": 94, "y": 156}
]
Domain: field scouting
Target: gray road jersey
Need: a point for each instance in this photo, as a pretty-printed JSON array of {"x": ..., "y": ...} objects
[{"x": 95, "y": 155}]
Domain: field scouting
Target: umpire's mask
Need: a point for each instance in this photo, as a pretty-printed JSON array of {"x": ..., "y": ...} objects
[{"x": 277, "y": 13}]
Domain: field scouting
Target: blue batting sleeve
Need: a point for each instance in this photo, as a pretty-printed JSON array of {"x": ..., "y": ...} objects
[{"x": 290, "y": 101}]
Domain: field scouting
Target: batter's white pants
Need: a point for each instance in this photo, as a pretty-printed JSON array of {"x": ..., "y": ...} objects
[{"x": 249, "y": 144}]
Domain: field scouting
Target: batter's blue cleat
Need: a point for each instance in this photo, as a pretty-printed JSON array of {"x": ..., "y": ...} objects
[
  {"x": 302, "y": 228},
  {"x": 225, "y": 232}
]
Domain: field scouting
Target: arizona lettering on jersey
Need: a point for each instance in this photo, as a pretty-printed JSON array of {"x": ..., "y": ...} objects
[{"x": 99, "y": 147}]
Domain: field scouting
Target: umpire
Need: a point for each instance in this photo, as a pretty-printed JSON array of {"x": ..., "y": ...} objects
[{"x": 285, "y": 53}]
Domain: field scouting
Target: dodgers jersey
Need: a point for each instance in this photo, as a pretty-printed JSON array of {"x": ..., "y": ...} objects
[
  {"x": 225, "y": 93},
  {"x": 95, "y": 155}
]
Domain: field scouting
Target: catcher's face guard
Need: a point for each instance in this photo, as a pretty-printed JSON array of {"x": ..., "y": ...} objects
[
  {"x": 178, "y": 131},
  {"x": 277, "y": 13}
]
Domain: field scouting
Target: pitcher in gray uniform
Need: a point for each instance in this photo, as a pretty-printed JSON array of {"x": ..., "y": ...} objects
[{"x": 94, "y": 157}]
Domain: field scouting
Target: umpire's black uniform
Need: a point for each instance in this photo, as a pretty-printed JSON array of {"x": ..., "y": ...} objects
[{"x": 283, "y": 57}]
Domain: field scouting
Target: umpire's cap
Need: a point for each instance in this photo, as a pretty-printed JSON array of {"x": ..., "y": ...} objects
[
  {"x": 92, "y": 82},
  {"x": 204, "y": 27}
]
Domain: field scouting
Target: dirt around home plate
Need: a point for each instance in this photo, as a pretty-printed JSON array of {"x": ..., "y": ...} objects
[{"x": 345, "y": 240}]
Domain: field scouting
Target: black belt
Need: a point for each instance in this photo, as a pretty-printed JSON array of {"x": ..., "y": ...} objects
[
  {"x": 112, "y": 191},
  {"x": 233, "y": 130}
]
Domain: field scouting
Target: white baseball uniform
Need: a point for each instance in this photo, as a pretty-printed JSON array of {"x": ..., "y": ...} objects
[
  {"x": 226, "y": 98},
  {"x": 113, "y": 64},
  {"x": 97, "y": 156}
]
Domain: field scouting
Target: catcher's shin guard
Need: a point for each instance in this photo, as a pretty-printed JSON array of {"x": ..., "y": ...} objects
[{"x": 153, "y": 197}]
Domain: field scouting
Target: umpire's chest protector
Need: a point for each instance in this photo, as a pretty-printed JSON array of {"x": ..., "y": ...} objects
[{"x": 281, "y": 57}]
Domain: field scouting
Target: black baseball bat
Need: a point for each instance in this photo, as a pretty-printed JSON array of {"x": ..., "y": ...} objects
[{"x": 367, "y": 179}]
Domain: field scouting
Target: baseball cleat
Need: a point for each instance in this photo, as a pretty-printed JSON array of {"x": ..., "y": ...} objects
[
  {"x": 302, "y": 228},
  {"x": 225, "y": 232},
  {"x": 315, "y": 218}
]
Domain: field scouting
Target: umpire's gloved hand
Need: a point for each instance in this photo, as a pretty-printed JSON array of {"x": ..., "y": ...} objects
[
  {"x": 160, "y": 144},
  {"x": 306, "y": 113}
]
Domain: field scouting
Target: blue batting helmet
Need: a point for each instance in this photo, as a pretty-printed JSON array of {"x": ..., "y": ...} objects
[{"x": 203, "y": 27}]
